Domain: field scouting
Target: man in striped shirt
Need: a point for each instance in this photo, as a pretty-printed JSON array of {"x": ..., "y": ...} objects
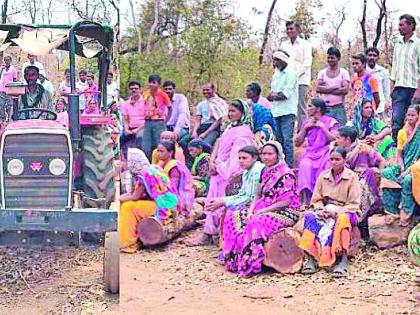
[{"x": 405, "y": 73}]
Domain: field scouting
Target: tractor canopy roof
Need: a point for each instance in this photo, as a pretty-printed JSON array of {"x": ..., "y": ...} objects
[{"x": 90, "y": 38}]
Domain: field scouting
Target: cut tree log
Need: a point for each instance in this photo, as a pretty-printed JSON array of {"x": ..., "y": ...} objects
[
  {"x": 152, "y": 232},
  {"x": 282, "y": 252},
  {"x": 386, "y": 235}
]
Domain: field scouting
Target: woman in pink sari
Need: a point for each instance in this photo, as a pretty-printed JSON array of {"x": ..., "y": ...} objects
[
  {"x": 224, "y": 164},
  {"x": 246, "y": 229},
  {"x": 319, "y": 130}
]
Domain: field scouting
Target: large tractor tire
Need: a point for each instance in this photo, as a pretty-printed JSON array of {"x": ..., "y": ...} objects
[{"x": 98, "y": 168}]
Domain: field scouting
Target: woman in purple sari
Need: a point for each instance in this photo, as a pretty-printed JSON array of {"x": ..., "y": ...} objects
[
  {"x": 319, "y": 130},
  {"x": 246, "y": 229}
]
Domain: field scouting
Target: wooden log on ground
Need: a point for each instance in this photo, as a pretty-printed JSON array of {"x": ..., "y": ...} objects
[
  {"x": 355, "y": 237},
  {"x": 386, "y": 235},
  {"x": 152, "y": 232},
  {"x": 282, "y": 252}
]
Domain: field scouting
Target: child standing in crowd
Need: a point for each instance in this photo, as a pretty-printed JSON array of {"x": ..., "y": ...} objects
[
  {"x": 157, "y": 104},
  {"x": 62, "y": 115}
]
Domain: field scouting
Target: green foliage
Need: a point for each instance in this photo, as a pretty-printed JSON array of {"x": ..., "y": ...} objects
[
  {"x": 305, "y": 17},
  {"x": 196, "y": 42}
]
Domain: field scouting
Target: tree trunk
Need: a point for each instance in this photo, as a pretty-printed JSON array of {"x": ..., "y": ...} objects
[
  {"x": 386, "y": 34},
  {"x": 151, "y": 232},
  {"x": 363, "y": 25},
  {"x": 382, "y": 14},
  {"x": 4, "y": 10},
  {"x": 266, "y": 31},
  {"x": 136, "y": 28},
  {"x": 153, "y": 27}
]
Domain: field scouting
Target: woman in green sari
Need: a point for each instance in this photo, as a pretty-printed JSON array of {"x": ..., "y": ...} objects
[
  {"x": 373, "y": 131},
  {"x": 397, "y": 179},
  {"x": 200, "y": 170}
]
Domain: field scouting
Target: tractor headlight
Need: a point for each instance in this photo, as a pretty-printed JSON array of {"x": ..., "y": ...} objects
[
  {"x": 57, "y": 167},
  {"x": 15, "y": 167}
]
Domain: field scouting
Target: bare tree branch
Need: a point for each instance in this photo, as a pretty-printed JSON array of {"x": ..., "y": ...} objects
[
  {"x": 266, "y": 31},
  {"x": 154, "y": 26},
  {"x": 363, "y": 25},
  {"x": 382, "y": 14},
  {"x": 135, "y": 26}
]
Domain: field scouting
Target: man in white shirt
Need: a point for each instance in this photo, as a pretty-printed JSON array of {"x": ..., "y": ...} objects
[
  {"x": 111, "y": 89},
  {"x": 81, "y": 85},
  {"x": 32, "y": 62},
  {"x": 382, "y": 76},
  {"x": 45, "y": 82},
  {"x": 300, "y": 52}
]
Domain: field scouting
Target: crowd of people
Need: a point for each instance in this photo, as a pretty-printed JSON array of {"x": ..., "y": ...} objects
[
  {"x": 237, "y": 158},
  {"x": 40, "y": 91},
  {"x": 352, "y": 163}
]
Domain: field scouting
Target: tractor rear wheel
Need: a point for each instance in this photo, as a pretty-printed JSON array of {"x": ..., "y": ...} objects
[{"x": 98, "y": 168}]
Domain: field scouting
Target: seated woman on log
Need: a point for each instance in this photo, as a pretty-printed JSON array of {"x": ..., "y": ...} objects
[
  {"x": 224, "y": 163},
  {"x": 397, "y": 179},
  {"x": 246, "y": 228},
  {"x": 252, "y": 168},
  {"x": 152, "y": 196},
  {"x": 366, "y": 162},
  {"x": 327, "y": 229},
  {"x": 179, "y": 175},
  {"x": 200, "y": 169},
  {"x": 373, "y": 131},
  {"x": 179, "y": 152},
  {"x": 319, "y": 130}
]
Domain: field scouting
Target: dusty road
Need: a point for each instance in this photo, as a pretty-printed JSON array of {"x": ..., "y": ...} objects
[
  {"x": 181, "y": 280},
  {"x": 51, "y": 281}
]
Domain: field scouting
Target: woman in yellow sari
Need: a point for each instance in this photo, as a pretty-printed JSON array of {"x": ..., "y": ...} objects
[{"x": 152, "y": 196}]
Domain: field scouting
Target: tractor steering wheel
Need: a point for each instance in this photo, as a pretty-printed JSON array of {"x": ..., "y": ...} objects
[{"x": 35, "y": 113}]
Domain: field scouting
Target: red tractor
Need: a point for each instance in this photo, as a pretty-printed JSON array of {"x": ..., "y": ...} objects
[{"x": 57, "y": 183}]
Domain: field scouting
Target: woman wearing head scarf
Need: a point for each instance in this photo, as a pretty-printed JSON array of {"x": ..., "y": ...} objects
[
  {"x": 319, "y": 130},
  {"x": 373, "y": 131},
  {"x": 224, "y": 163},
  {"x": 179, "y": 175},
  {"x": 152, "y": 196},
  {"x": 276, "y": 206},
  {"x": 200, "y": 169}
]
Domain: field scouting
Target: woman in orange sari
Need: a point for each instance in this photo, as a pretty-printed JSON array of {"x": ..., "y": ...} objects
[{"x": 336, "y": 210}]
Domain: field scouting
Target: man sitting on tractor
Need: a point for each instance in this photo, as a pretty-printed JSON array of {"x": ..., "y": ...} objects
[{"x": 36, "y": 96}]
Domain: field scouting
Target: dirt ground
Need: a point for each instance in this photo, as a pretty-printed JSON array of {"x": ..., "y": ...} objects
[
  {"x": 180, "y": 280},
  {"x": 51, "y": 281}
]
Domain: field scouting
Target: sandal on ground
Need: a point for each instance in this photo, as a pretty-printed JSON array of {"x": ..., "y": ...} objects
[
  {"x": 339, "y": 270},
  {"x": 310, "y": 266},
  {"x": 202, "y": 240}
]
